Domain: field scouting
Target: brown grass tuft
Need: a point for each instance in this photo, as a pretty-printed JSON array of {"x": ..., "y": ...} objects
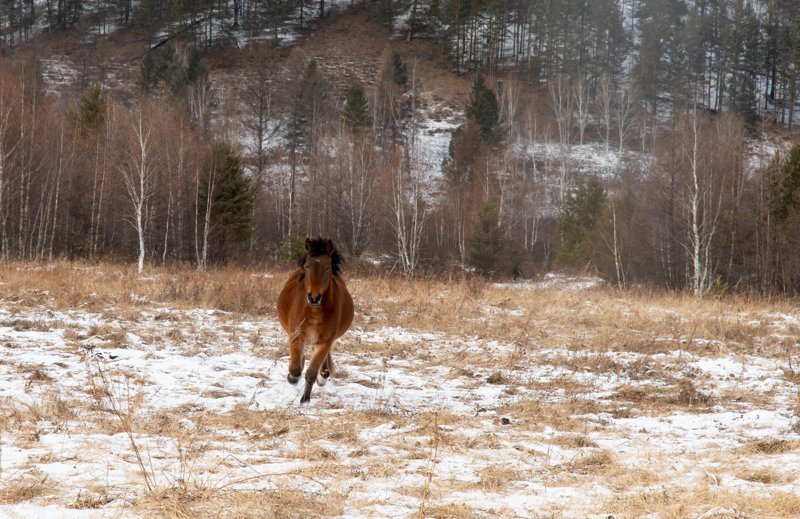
[
  {"x": 766, "y": 475},
  {"x": 24, "y": 487},
  {"x": 772, "y": 446},
  {"x": 573, "y": 441},
  {"x": 451, "y": 511},
  {"x": 496, "y": 478},
  {"x": 596, "y": 462}
]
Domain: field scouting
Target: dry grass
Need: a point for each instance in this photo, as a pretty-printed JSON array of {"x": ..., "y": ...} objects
[
  {"x": 536, "y": 415},
  {"x": 765, "y": 475},
  {"x": 679, "y": 503},
  {"x": 31, "y": 484},
  {"x": 638, "y": 339},
  {"x": 595, "y": 463},
  {"x": 573, "y": 441},
  {"x": 279, "y": 503},
  {"x": 640, "y": 322},
  {"x": 496, "y": 478},
  {"x": 772, "y": 446},
  {"x": 451, "y": 511},
  {"x": 92, "y": 499}
]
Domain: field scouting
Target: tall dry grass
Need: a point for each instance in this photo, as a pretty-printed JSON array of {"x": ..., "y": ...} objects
[{"x": 581, "y": 331}]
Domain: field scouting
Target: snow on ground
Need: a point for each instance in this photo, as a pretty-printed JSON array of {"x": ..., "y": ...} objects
[
  {"x": 414, "y": 415},
  {"x": 556, "y": 280}
]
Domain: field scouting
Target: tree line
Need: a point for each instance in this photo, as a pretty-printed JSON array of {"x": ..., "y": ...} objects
[
  {"x": 167, "y": 177},
  {"x": 158, "y": 180}
]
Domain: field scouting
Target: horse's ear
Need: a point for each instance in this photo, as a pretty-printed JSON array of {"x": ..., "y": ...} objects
[
  {"x": 308, "y": 244},
  {"x": 329, "y": 247}
]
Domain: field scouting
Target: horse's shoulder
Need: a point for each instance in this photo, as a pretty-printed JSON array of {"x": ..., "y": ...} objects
[{"x": 293, "y": 281}]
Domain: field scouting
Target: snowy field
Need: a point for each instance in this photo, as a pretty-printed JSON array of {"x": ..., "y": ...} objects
[{"x": 553, "y": 398}]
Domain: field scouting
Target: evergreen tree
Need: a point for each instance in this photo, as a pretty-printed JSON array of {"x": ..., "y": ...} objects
[
  {"x": 307, "y": 96},
  {"x": 579, "y": 216},
  {"x": 487, "y": 246},
  {"x": 786, "y": 190},
  {"x": 232, "y": 198},
  {"x": 356, "y": 109},
  {"x": 399, "y": 71},
  {"x": 462, "y": 152},
  {"x": 91, "y": 111},
  {"x": 165, "y": 66},
  {"x": 660, "y": 62},
  {"x": 482, "y": 107},
  {"x": 149, "y": 73},
  {"x": 385, "y": 11},
  {"x": 746, "y": 53}
]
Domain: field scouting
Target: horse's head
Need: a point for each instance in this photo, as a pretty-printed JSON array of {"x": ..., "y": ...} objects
[{"x": 320, "y": 262}]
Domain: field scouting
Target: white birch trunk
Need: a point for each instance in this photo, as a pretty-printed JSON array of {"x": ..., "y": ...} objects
[{"x": 138, "y": 172}]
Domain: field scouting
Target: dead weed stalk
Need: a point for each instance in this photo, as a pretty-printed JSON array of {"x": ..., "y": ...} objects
[{"x": 125, "y": 411}]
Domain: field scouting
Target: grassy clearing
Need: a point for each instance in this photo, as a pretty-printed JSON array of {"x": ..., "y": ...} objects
[{"x": 594, "y": 393}]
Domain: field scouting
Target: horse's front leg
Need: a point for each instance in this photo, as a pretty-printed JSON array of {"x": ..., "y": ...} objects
[
  {"x": 319, "y": 356},
  {"x": 296, "y": 359}
]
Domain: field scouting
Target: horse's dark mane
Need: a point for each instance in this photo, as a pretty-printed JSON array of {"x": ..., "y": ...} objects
[{"x": 316, "y": 247}]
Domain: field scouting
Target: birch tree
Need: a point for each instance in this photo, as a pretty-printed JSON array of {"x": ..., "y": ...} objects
[
  {"x": 625, "y": 112},
  {"x": 9, "y": 100},
  {"x": 408, "y": 208},
  {"x": 138, "y": 171},
  {"x": 562, "y": 98},
  {"x": 703, "y": 206},
  {"x": 605, "y": 97},
  {"x": 356, "y": 175},
  {"x": 581, "y": 93}
]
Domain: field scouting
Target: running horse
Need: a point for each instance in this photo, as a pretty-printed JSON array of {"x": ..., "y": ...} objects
[{"x": 314, "y": 307}]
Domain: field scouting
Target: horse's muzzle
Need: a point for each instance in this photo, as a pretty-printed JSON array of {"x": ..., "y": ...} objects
[{"x": 314, "y": 301}]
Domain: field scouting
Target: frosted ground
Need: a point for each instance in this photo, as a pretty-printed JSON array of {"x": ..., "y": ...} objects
[{"x": 532, "y": 403}]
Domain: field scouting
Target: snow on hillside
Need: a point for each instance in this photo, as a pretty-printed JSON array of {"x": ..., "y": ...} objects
[
  {"x": 762, "y": 151},
  {"x": 591, "y": 158}
]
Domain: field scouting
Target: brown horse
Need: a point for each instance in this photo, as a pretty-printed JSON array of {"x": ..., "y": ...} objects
[{"x": 314, "y": 307}]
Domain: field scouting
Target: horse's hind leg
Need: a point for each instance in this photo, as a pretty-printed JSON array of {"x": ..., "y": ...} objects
[{"x": 326, "y": 371}]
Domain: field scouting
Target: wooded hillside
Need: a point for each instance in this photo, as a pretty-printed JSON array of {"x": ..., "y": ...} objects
[{"x": 638, "y": 139}]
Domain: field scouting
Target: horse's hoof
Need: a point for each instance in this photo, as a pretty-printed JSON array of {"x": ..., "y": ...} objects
[
  {"x": 292, "y": 379},
  {"x": 322, "y": 377},
  {"x": 305, "y": 398}
]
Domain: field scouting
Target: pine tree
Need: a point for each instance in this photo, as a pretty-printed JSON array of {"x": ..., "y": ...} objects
[
  {"x": 385, "y": 11},
  {"x": 231, "y": 198},
  {"x": 488, "y": 247},
  {"x": 91, "y": 111},
  {"x": 660, "y": 63},
  {"x": 165, "y": 66},
  {"x": 462, "y": 152},
  {"x": 745, "y": 49},
  {"x": 786, "y": 190},
  {"x": 356, "y": 109},
  {"x": 399, "y": 70},
  {"x": 482, "y": 107},
  {"x": 579, "y": 216},
  {"x": 307, "y": 96},
  {"x": 149, "y": 73}
]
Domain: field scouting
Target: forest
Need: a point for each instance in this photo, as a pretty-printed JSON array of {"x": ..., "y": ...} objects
[{"x": 182, "y": 168}]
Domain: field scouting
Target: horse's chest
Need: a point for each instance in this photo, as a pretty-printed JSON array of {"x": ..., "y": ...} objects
[{"x": 314, "y": 329}]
